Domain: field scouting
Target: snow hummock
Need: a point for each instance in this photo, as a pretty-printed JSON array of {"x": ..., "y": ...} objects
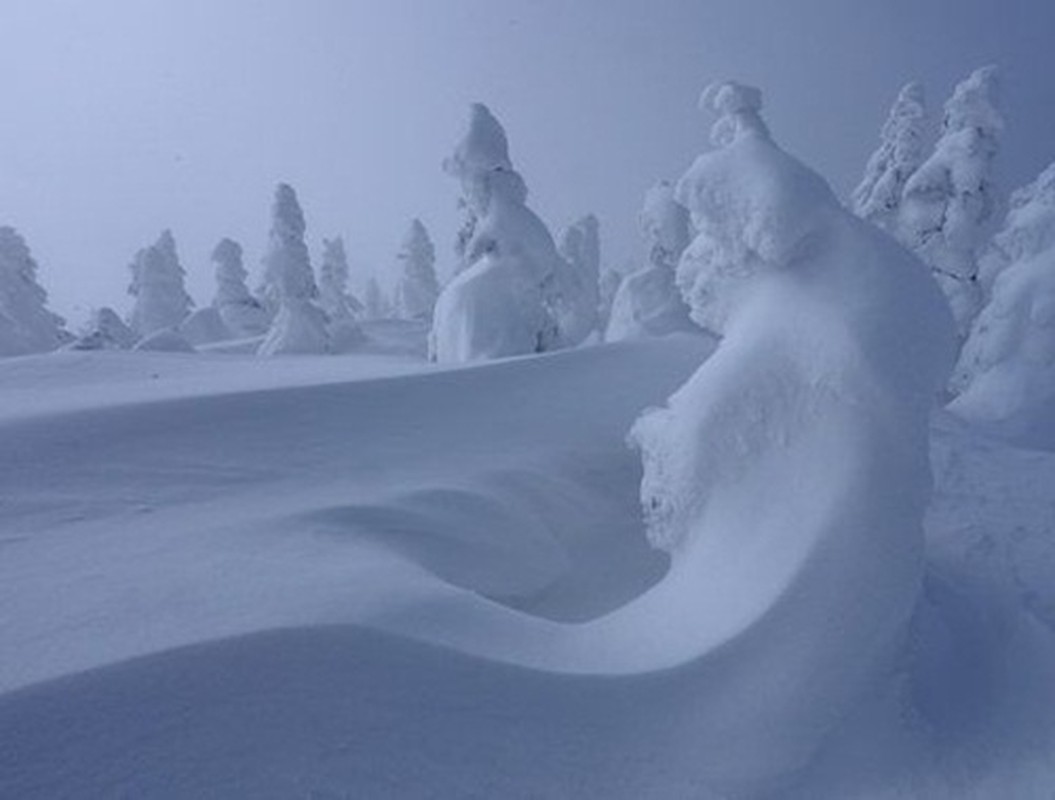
[
  {"x": 648, "y": 302},
  {"x": 503, "y": 302}
]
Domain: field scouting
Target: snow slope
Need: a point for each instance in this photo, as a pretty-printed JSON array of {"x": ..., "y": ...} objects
[{"x": 206, "y": 561}]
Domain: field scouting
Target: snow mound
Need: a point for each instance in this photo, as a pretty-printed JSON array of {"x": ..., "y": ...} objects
[{"x": 164, "y": 341}]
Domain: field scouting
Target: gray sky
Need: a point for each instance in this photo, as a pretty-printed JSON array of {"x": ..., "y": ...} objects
[{"x": 123, "y": 117}]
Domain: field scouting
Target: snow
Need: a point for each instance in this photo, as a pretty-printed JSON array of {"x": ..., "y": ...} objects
[
  {"x": 166, "y": 340},
  {"x": 513, "y": 294},
  {"x": 647, "y": 302},
  {"x": 205, "y": 326},
  {"x": 105, "y": 330}
]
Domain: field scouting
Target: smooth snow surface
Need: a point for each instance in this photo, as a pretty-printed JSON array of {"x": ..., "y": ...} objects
[{"x": 257, "y": 514}]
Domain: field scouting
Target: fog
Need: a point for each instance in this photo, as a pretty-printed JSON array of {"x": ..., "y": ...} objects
[{"x": 124, "y": 117}]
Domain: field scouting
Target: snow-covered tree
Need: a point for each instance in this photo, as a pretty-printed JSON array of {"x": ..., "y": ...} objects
[
  {"x": 502, "y": 303},
  {"x": 26, "y": 324},
  {"x": 950, "y": 201},
  {"x": 342, "y": 309},
  {"x": 1010, "y": 352},
  {"x": 242, "y": 313},
  {"x": 648, "y": 302},
  {"x": 300, "y": 326},
  {"x": 418, "y": 287},
  {"x": 800, "y": 447},
  {"x": 161, "y": 301},
  {"x": 878, "y": 197},
  {"x": 105, "y": 330},
  {"x": 1028, "y": 229},
  {"x": 578, "y": 302}
]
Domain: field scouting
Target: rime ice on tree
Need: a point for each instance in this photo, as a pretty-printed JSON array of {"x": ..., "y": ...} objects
[
  {"x": 577, "y": 302},
  {"x": 501, "y": 304},
  {"x": 26, "y": 324},
  {"x": 418, "y": 288},
  {"x": 157, "y": 286},
  {"x": 341, "y": 307},
  {"x": 950, "y": 201},
  {"x": 878, "y": 197},
  {"x": 300, "y": 325},
  {"x": 242, "y": 313},
  {"x": 648, "y": 302}
]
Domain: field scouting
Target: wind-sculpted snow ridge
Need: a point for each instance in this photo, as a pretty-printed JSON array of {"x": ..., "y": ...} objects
[{"x": 787, "y": 479}]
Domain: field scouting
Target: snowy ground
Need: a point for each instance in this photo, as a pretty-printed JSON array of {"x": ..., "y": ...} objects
[{"x": 206, "y": 561}]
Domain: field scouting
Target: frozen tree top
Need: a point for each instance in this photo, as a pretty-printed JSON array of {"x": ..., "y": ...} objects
[
  {"x": 737, "y": 107},
  {"x": 484, "y": 148},
  {"x": 974, "y": 103}
]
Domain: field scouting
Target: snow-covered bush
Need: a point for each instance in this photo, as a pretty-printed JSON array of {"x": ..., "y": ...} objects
[
  {"x": 950, "y": 201},
  {"x": 161, "y": 301},
  {"x": 578, "y": 302},
  {"x": 242, "y": 314},
  {"x": 794, "y": 463},
  {"x": 26, "y": 324},
  {"x": 608, "y": 287},
  {"x": 878, "y": 197},
  {"x": 342, "y": 308},
  {"x": 300, "y": 326},
  {"x": 418, "y": 288},
  {"x": 105, "y": 330},
  {"x": 501, "y": 304},
  {"x": 648, "y": 302}
]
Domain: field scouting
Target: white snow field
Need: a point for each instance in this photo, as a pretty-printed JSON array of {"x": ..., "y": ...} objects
[{"x": 206, "y": 560}]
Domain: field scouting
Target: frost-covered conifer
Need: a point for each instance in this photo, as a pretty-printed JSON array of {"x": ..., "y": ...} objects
[
  {"x": 26, "y": 324},
  {"x": 161, "y": 301},
  {"x": 1007, "y": 367},
  {"x": 578, "y": 303},
  {"x": 242, "y": 313},
  {"x": 341, "y": 307},
  {"x": 648, "y": 302},
  {"x": 418, "y": 288},
  {"x": 300, "y": 325},
  {"x": 503, "y": 302},
  {"x": 950, "y": 201},
  {"x": 900, "y": 154}
]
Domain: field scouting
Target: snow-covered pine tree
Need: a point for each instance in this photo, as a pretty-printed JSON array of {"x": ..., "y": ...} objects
[
  {"x": 1013, "y": 340},
  {"x": 26, "y": 324},
  {"x": 300, "y": 325},
  {"x": 418, "y": 288},
  {"x": 501, "y": 304},
  {"x": 341, "y": 307},
  {"x": 648, "y": 302},
  {"x": 161, "y": 301},
  {"x": 900, "y": 154},
  {"x": 242, "y": 313},
  {"x": 950, "y": 201},
  {"x": 579, "y": 245}
]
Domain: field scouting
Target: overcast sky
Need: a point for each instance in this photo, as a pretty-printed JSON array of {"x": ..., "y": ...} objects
[{"x": 123, "y": 117}]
